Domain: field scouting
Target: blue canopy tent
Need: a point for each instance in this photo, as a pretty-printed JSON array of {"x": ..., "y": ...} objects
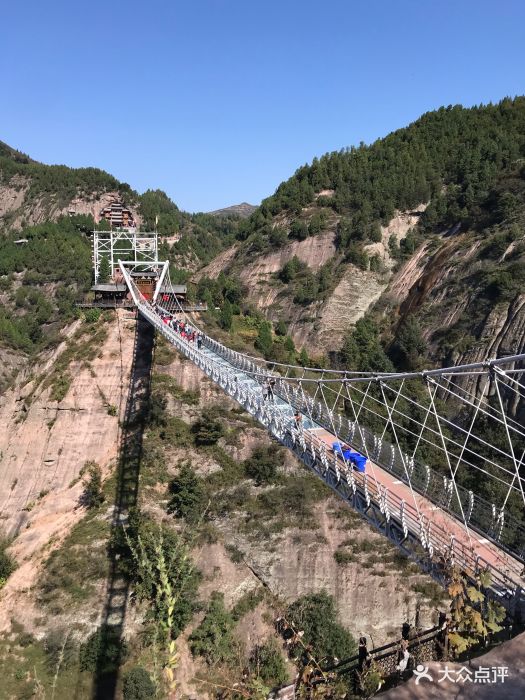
[{"x": 358, "y": 460}]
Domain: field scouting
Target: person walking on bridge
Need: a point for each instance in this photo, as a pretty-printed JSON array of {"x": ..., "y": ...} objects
[{"x": 270, "y": 386}]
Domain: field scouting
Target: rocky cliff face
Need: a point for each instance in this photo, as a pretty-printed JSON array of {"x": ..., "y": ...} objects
[
  {"x": 320, "y": 325},
  {"x": 45, "y": 443},
  {"x": 439, "y": 285},
  {"x": 19, "y": 210}
]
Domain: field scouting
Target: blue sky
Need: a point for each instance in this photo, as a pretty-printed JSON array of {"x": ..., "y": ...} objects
[{"x": 218, "y": 101}]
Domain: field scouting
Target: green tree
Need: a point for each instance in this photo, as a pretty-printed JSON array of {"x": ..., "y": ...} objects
[
  {"x": 409, "y": 349},
  {"x": 264, "y": 340},
  {"x": 226, "y": 315},
  {"x": 278, "y": 237},
  {"x": 289, "y": 346},
  {"x": 7, "y": 563},
  {"x": 307, "y": 292},
  {"x": 104, "y": 272},
  {"x": 299, "y": 230},
  {"x": 138, "y": 685},
  {"x": 208, "y": 429},
  {"x": 207, "y": 298},
  {"x": 316, "y": 224},
  {"x": 188, "y": 498},
  {"x": 357, "y": 255},
  {"x": 362, "y": 350},
  {"x": 304, "y": 360},
  {"x": 267, "y": 663},
  {"x": 103, "y": 225},
  {"x": 315, "y": 614},
  {"x": 103, "y": 651},
  {"x": 263, "y": 464},
  {"x": 213, "y": 639},
  {"x": 291, "y": 269},
  {"x": 157, "y": 562},
  {"x": 374, "y": 233},
  {"x": 375, "y": 263},
  {"x": 280, "y": 328},
  {"x": 93, "y": 496}
]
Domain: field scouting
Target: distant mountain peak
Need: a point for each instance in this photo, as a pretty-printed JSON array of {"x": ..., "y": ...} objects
[{"x": 244, "y": 210}]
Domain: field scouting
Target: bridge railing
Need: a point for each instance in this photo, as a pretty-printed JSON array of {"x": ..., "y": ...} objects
[
  {"x": 359, "y": 436},
  {"x": 421, "y": 647}
]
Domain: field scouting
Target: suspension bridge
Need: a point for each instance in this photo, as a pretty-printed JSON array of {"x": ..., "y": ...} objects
[{"x": 466, "y": 415}]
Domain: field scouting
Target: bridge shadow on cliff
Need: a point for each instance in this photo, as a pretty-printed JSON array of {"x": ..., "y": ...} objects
[{"x": 110, "y": 654}]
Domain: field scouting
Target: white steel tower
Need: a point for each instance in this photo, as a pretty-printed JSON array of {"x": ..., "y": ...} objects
[{"x": 140, "y": 249}]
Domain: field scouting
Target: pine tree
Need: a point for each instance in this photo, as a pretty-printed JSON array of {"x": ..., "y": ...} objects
[
  {"x": 104, "y": 272},
  {"x": 226, "y": 315},
  {"x": 409, "y": 349},
  {"x": 187, "y": 495},
  {"x": 264, "y": 340},
  {"x": 93, "y": 495},
  {"x": 304, "y": 360},
  {"x": 213, "y": 639},
  {"x": 280, "y": 327},
  {"x": 208, "y": 429}
]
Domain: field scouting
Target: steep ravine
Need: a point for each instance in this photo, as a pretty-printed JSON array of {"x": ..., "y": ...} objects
[{"x": 375, "y": 590}]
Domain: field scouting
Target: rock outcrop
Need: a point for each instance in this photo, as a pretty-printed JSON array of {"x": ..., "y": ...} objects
[{"x": 15, "y": 208}]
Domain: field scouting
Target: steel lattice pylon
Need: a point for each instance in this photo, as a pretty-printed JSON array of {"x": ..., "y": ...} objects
[{"x": 141, "y": 249}]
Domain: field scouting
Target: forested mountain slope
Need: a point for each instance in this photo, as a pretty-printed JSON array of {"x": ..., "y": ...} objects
[
  {"x": 424, "y": 227},
  {"x": 33, "y": 193},
  {"x": 47, "y": 213}
]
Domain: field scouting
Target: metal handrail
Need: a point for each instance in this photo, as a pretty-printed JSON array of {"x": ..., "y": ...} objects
[{"x": 390, "y": 648}]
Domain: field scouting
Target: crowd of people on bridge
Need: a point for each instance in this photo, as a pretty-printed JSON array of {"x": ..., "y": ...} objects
[
  {"x": 184, "y": 329},
  {"x": 192, "y": 335}
]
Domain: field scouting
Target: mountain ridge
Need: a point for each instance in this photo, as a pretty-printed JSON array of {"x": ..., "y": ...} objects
[{"x": 243, "y": 210}]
